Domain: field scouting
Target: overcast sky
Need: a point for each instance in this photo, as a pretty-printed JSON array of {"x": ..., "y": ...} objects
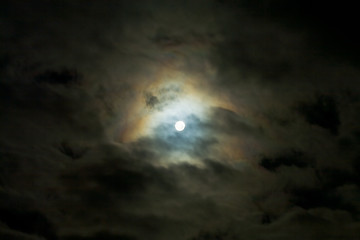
[{"x": 90, "y": 92}]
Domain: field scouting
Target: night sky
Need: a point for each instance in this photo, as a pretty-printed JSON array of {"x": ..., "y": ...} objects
[{"x": 90, "y": 92}]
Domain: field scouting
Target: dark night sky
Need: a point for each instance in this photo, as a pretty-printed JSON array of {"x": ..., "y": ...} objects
[{"x": 90, "y": 92}]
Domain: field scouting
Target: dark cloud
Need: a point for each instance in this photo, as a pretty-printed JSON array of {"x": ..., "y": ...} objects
[
  {"x": 227, "y": 121},
  {"x": 31, "y": 222},
  {"x": 313, "y": 198},
  {"x": 165, "y": 41},
  {"x": 73, "y": 152},
  {"x": 90, "y": 92},
  {"x": 14, "y": 235},
  {"x": 108, "y": 179},
  {"x": 323, "y": 112},
  {"x": 64, "y": 77},
  {"x": 151, "y": 100},
  {"x": 329, "y": 34},
  {"x": 22, "y": 219},
  {"x": 294, "y": 158},
  {"x": 101, "y": 236},
  {"x": 236, "y": 51},
  {"x": 213, "y": 236}
]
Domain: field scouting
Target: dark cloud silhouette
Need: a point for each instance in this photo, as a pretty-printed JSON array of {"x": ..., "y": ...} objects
[
  {"x": 151, "y": 100},
  {"x": 162, "y": 39},
  {"x": 295, "y": 158},
  {"x": 64, "y": 77},
  {"x": 323, "y": 113},
  {"x": 72, "y": 152},
  {"x": 101, "y": 235},
  {"x": 31, "y": 222},
  {"x": 328, "y": 35}
]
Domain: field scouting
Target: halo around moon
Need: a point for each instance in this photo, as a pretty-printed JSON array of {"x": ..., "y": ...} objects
[{"x": 179, "y": 126}]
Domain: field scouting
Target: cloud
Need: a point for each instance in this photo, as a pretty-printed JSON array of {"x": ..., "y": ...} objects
[
  {"x": 31, "y": 222},
  {"x": 293, "y": 159},
  {"x": 14, "y": 235},
  {"x": 101, "y": 235},
  {"x": 22, "y": 219},
  {"x": 151, "y": 100},
  {"x": 63, "y": 77},
  {"x": 90, "y": 92},
  {"x": 328, "y": 36},
  {"x": 323, "y": 113}
]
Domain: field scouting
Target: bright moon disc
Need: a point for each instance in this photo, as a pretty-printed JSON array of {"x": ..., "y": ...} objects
[{"x": 179, "y": 126}]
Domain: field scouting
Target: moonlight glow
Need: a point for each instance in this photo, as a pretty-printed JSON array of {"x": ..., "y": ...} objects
[{"x": 179, "y": 126}]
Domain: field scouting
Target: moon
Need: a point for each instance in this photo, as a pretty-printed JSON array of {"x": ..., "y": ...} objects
[{"x": 179, "y": 126}]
